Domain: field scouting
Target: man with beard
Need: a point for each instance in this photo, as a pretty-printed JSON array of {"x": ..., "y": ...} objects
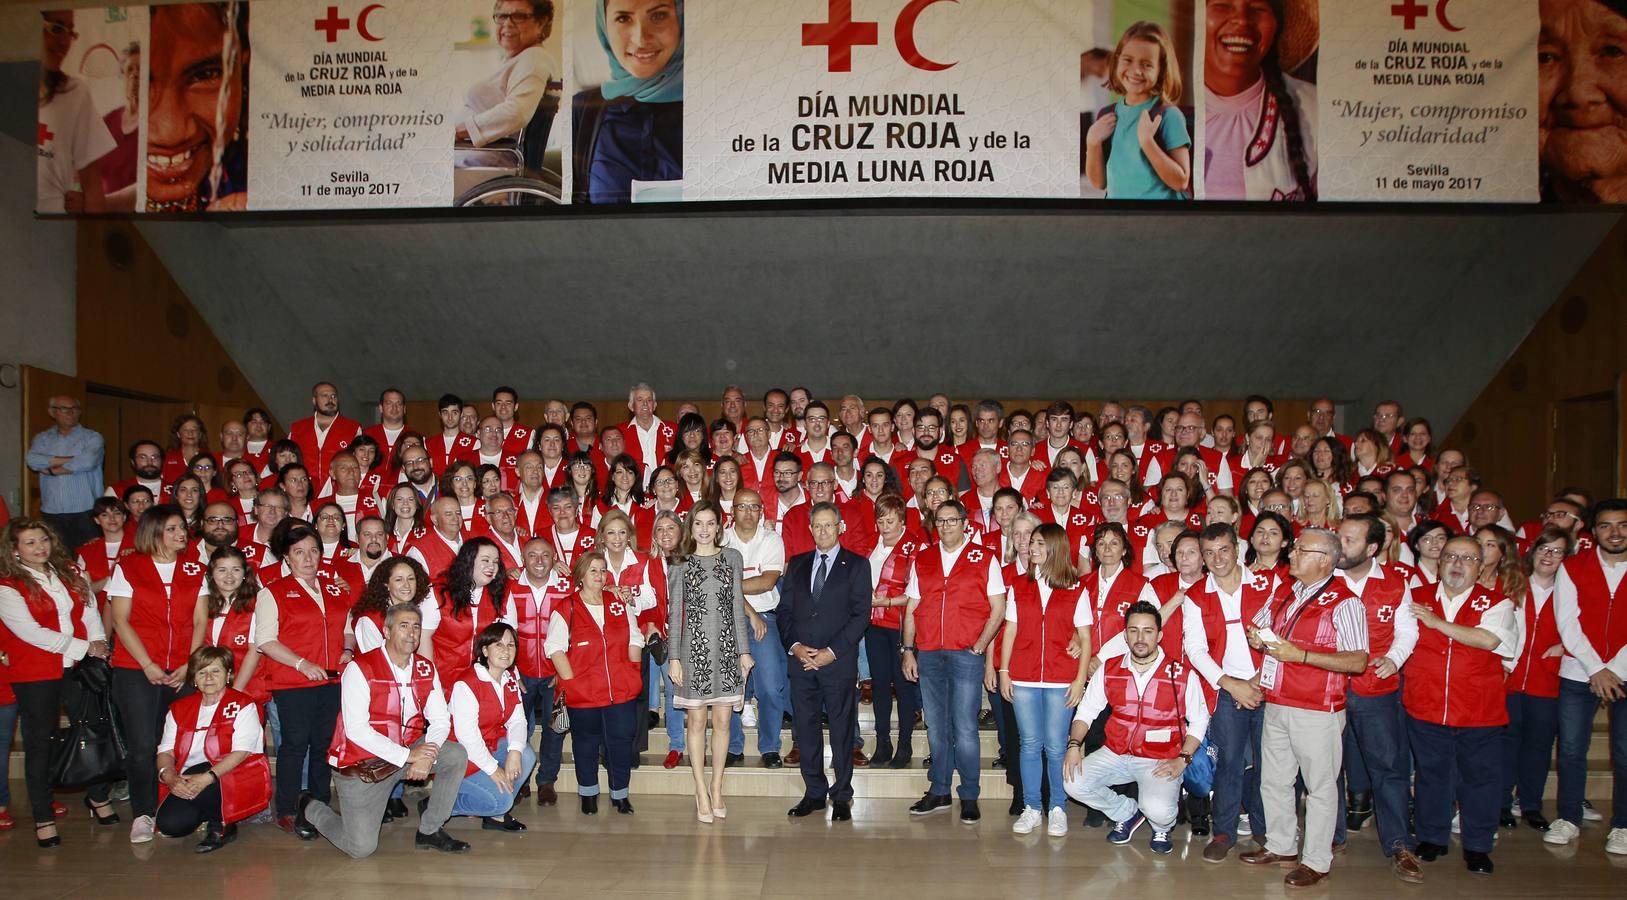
[
  {"x": 843, "y": 446},
  {"x": 815, "y": 423},
  {"x": 1158, "y": 719},
  {"x": 392, "y": 423},
  {"x": 929, "y": 446},
  {"x": 147, "y": 461},
  {"x": 372, "y": 547},
  {"x": 324, "y": 434},
  {"x": 417, "y": 471}
]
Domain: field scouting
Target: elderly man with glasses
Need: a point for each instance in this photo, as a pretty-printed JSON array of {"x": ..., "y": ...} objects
[
  {"x": 68, "y": 458},
  {"x": 1454, "y": 696},
  {"x": 1314, "y": 638}
]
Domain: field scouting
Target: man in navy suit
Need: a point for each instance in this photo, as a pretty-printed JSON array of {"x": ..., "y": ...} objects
[{"x": 824, "y": 610}]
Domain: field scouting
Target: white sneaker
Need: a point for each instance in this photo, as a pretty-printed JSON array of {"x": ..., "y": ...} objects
[
  {"x": 1027, "y": 822},
  {"x": 1589, "y": 814},
  {"x": 1561, "y": 832},
  {"x": 1243, "y": 829},
  {"x": 748, "y": 716},
  {"x": 141, "y": 830},
  {"x": 1057, "y": 826},
  {"x": 1514, "y": 809},
  {"x": 1457, "y": 824},
  {"x": 1617, "y": 842}
]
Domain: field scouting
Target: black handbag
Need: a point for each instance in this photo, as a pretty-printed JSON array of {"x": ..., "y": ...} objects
[
  {"x": 89, "y": 749},
  {"x": 656, "y": 648}
]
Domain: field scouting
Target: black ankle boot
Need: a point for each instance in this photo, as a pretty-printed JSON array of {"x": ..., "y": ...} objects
[{"x": 1358, "y": 809}]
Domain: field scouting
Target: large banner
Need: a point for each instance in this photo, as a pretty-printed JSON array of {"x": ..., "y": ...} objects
[{"x": 349, "y": 104}]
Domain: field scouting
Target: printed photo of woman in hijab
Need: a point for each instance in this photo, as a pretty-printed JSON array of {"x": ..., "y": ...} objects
[{"x": 628, "y": 132}]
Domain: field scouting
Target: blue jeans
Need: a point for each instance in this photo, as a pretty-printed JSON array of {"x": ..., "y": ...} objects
[
  {"x": 1528, "y": 748},
  {"x": 1577, "y": 707},
  {"x": 480, "y": 796},
  {"x": 769, "y": 684},
  {"x": 539, "y": 710},
  {"x": 1376, "y": 728},
  {"x": 1043, "y": 718},
  {"x": 864, "y": 658},
  {"x": 8, "y": 728},
  {"x": 607, "y": 728},
  {"x": 1235, "y": 732},
  {"x": 881, "y": 648},
  {"x": 951, "y": 694}
]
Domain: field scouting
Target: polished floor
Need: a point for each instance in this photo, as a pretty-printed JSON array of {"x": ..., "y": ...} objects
[{"x": 757, "y": 851}]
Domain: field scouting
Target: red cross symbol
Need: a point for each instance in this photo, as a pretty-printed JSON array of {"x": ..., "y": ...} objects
[
  {"x": 332, "y": 25},
  {"x": 44, "y": 134},
  {"x": 1411, "y": 11},
  {"x": 840, "y": 35}
]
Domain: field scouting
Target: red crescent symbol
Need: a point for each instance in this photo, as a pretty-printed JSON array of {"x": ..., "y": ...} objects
[
  {"x": 904, "y": 36},
  {"x": 1440, "y": 13},
  {"x": 361, "y": 22}
]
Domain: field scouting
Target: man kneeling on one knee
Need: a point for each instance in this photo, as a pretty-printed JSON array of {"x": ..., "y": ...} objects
[
  {"x": 1159, "y": 717},
  {"x": 393, "y": 726}
]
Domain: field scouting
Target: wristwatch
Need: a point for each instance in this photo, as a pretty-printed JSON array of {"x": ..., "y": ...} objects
[
  {"x": 904, "y": 650},
  {"x": 1187, "y": 757}
]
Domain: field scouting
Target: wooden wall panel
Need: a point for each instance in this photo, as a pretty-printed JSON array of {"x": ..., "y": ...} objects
[{"x": 1578, "y": 348}]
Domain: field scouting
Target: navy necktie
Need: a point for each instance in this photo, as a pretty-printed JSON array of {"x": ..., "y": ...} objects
[{"x": 819, "y": 577}]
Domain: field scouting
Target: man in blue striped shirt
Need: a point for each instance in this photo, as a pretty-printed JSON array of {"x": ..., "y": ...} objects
[{"x": 68, "y": 459}]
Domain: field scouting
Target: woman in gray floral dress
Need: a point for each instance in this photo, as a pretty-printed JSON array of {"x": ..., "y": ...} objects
[{"x": 706, "y": 615}]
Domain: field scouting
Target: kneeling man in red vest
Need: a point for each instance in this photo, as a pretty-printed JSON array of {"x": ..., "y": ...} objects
[
  {"x": 393, "y": 726},
  {"x": 1159, "y": 717}
]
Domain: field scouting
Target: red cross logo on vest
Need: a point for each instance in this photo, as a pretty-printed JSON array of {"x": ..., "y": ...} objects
[
  {"x": 1090, "y": 497},
  {"x": 230, "y": 710},
  {"x": 510, "y": 683},
  {"x": 1005, "y": 453},
  {"x": 420, "y": 667},
  {"x": 666, "y": 431},
  {"x": 1256, "y": 581},
  {"x": 617, "y": 609},
  {"x": 419, "y": 532},
  {"x": 974, "y": 555},
  {"x": 191, "y": 569},
  {"x": 241, "y": 640},
  {"x": 510, "y": 460},
  {"x": 1078, "y": 519},
  {"x": 947, "y": 459},
  {"x": 1386, "y": 613},
  {"x": 1327, "y": 597},
  {"x": 906, "y": 548},
  {"x": 1174, "y": 669},
  {"x": 332, "y": 589},
  {"x": 1139, "y": 531},
  {"x": 1124, "y": 607},
  {"x": 1481, "y": 603},
  {"x": 587, "y": 542}
]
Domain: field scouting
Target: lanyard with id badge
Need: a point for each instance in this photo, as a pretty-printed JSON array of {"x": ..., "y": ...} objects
[{"x": 1271, "y": 666}]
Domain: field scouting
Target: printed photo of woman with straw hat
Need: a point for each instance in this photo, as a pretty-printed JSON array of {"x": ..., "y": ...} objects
[{"x": 1258, "y": 106}]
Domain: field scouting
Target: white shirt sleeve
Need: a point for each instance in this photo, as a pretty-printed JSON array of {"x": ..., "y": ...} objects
[
  {"x": 14, "y": 613},
  {"x": 997, "y": 580},
  {"x": 429, "y": 614},
  {"x": 514, "y": 729},
  {"x": 1197, "y": 709},
  {"x": 355, "y": 701},
  {"x": 1499, "y": 620},
  {"x": 117, "y": 584},
  {"x": 1094, "y": 702},
  {"x": 416, "y": 554},
  {"x": 913, "y": 589},
  {"x": 437, "y": 715},
  {"x": 1082, "y": 616},
  {"x": 1011, "y": 608},
  {"x": 248, "y": 735},
  {"x": 1113, "y": 648},
  {"x": 635, "y": 636},
  {"x": 643, "y": 595},
  {"x": 1567, "y": 614},
  {"x": 1195, "y": 641},
  {"x": 559, "y": 636},
  {"x": 1406, "y": 634},
  {"x": 166, "y": 743},
  {"x": 465, "y": 709}
]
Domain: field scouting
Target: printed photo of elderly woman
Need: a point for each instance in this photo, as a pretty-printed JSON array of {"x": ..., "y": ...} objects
[{"x": 1582, "y": 99}]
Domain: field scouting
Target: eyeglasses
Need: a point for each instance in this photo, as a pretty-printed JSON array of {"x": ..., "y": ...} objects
[
  {"x": 1550, "y": 552},
  {"x": 1309, "y": 550},
  {"x": 463, "y": 479},
  {"x": 822, "y": 482},
  {"x": 1432, "y": 539},
  {"x": 57, "y": 29},
  {"x": 220, "y": 520},
  {"x": 519, "y": 18},
  {"x": 660, "y": 481},
  {"x": 1484, "y": 507},
  {"x": 1456, "y": 557},
  {"x": 330, "y": 519},
  {"x": 1385, "y": 417},
  {"x": 817, "y": 419},
  {"x": 1021, "y": 444},
  {"x": 947, "y": 520},
  {"x": 277, "y": 507},
  {"x": 1559, "y": 514},
  {"x": 754, "y": 507}
]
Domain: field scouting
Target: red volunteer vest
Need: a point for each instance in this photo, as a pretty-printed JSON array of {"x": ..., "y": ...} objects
[
  {"x": 954, "y": 605},
  {"x": 1039, "y": 651},
  {"x": 1107, "y": 611},
  {"x": 161, "y": 617},
  {"x": 1148, "y": 725},
  {"x": 581, "y": 541},
  {"x": 604, "y": 676},
  {"x": 1603, "y": 614},
  {"x": 1171, "y": 639},
  {"x": 313, "y": 629},
  {"x": 95, "y": 565},
  {"x": 443, "y": 453},
  {"x": 656, "y": 615},
  {"x": 665, "y": 435},
  {"x": 384, "y": 706},
  {"x": 236, "y": 636},
  {"x": 1535, "y": 674},
  {"x": 1381, "y": 597},
  {"x": 1311, "y": 626},
  {"x": 28, "y": 662},
  {"x": 246, "y": 789},
  {"x": 496, "y": 704},
  {"x": 1452, "y": 683},
  {"x": 895, "y": 578},
  {"x": 454, "y": 640},
  {"x": 1256, "y": 590},
  {"x": 438, "y": 554},
  {"x": 317, "y": 458},
  {"x": 532, "y": 615}
]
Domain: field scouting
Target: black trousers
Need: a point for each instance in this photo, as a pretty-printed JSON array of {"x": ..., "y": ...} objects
[
  {"x": 831, "y": 691},
  {"x": 39, "y": 706},
  {"x": 887, "y": 674},
  {"x": 307, "y": 716},
  {"x": 179, "y": 817},
  {"x": 141, "y": 707}
]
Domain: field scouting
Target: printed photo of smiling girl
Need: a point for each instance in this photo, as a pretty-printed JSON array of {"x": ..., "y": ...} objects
[
  {"x": 1140, "y": 148},
  {"x": 198, "y": 101},
  {"x": 628, "y": 131},
  {"x": 1258, "y": 104}
]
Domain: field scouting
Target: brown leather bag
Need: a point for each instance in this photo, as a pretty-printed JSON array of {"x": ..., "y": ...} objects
[{"x": 370, "y": 771}]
